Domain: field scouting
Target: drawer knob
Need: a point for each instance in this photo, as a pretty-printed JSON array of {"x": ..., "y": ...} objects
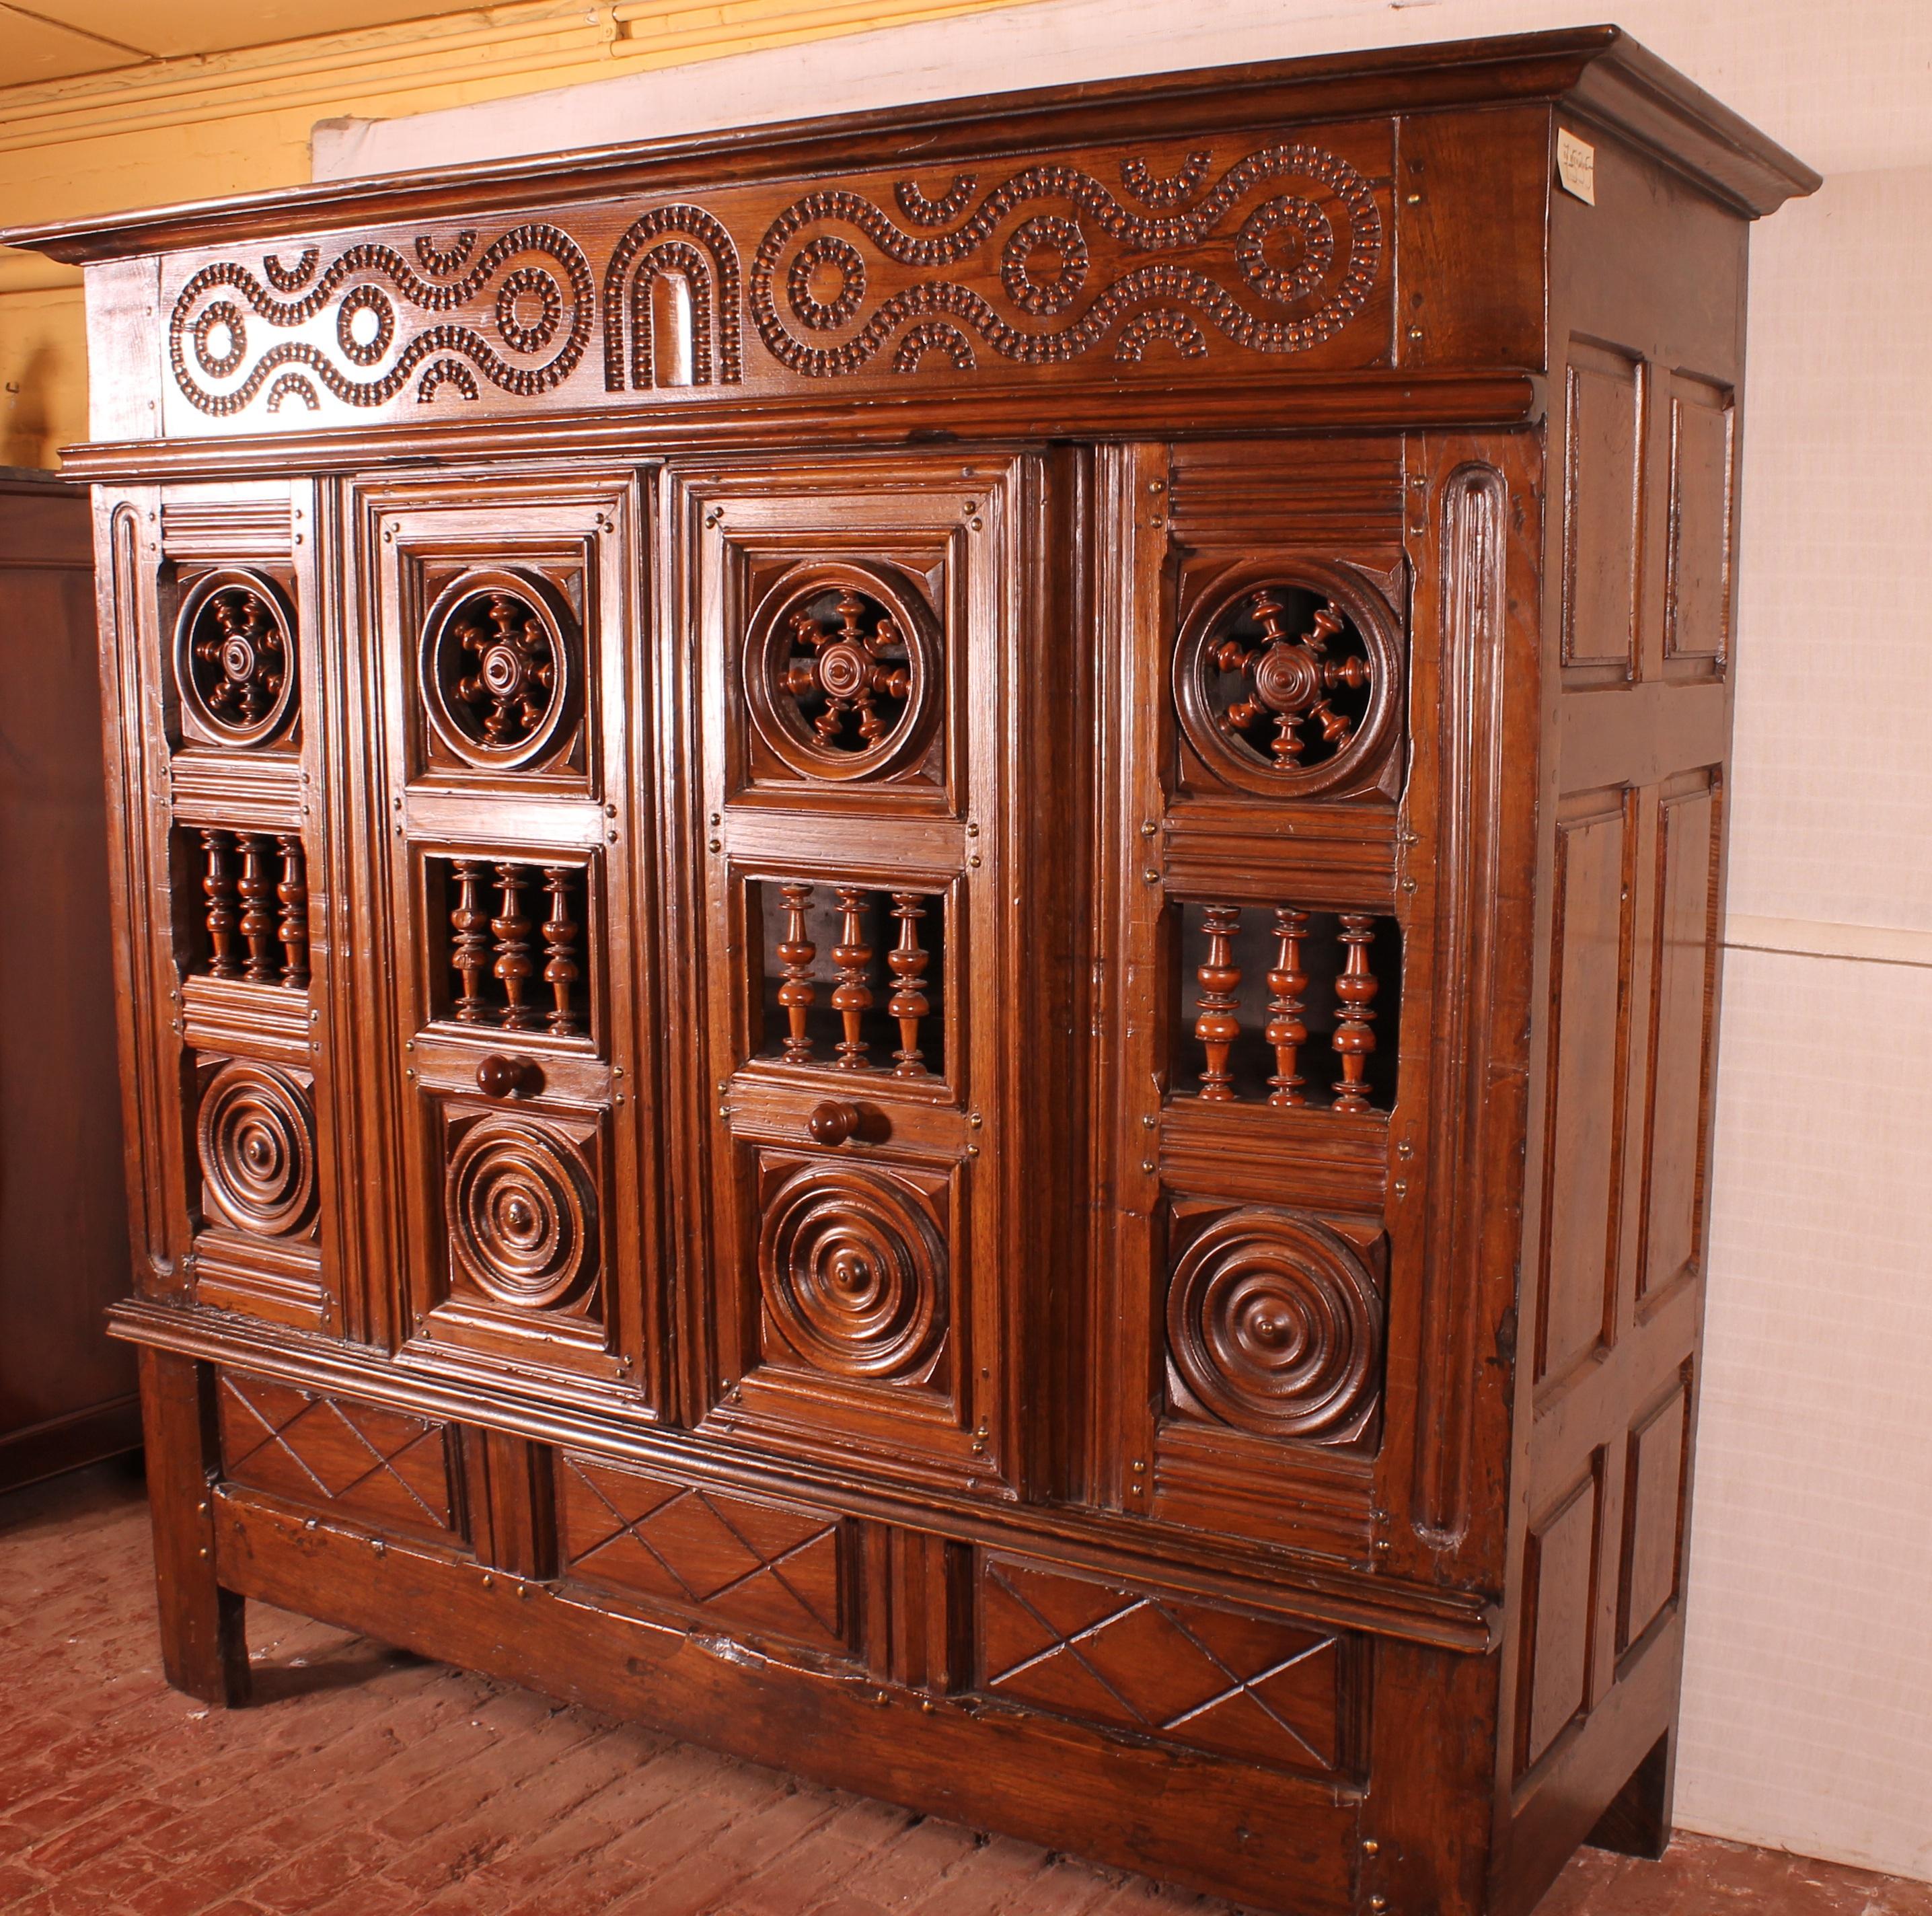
[
  {"x": 508, "y": 1077},
  {"x": 835, "y": 1121}
]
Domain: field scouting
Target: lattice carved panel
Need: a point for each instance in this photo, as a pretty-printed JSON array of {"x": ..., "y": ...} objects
[
  {"x": 731, "y": 1562},
  {"x": 1163, "y": 1666},
  {"x": 365, "y": 1462}
]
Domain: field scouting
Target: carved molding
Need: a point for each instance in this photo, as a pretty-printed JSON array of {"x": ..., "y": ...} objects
[
  {"x": 255, "y": 1138},
  {"x": 854, "y": 1272},
  {"x": 1274, "y": 1326}
]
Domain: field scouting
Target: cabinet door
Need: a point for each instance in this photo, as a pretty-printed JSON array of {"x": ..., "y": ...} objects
[
  {"x": 510, "y": 915},
  {"x": 864, "y": 878},
  {"x": 1254, "y": 671}
]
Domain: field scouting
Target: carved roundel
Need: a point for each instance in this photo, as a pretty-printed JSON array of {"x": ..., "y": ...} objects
[
  {"x": 522, "y": 1212},
  {"x": 502, "y": 664},
  {"x": 234, "y": 656},
  {"x": 1274, "y": 1325},
  {"x": 1287, "y": 677},
  {"x": 255, "y": 1136},
  {"x": 853, "y": 1273},
  {"x": 842, "y": 670}
]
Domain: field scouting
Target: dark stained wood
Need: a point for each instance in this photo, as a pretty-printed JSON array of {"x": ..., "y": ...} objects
[
  {"x": 920, "y": 942},
  {"x": 66, "y": 1392}
]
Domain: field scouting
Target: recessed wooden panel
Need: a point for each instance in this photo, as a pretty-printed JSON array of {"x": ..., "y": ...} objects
[
  {"x": 1653, "y": 1507},
  {"x": 1559, "y": 1614},
  {"x": 1584, "y": 1101},
  {"x": 1602, "y": 507},
  {"x": 1158, "y": 1666},
  {"x": 1697, "y": 576},
  {"x": 1683, "y": 974},
  {"x": 360, "y": 1460},
  {"x": 731, "y": 1562}
]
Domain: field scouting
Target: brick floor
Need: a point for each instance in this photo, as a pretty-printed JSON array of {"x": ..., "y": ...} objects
[{"x": 365, "y": 1782}]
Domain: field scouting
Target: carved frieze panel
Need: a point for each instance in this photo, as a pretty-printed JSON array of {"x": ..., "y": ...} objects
[{"x": 1235, "y": 250}]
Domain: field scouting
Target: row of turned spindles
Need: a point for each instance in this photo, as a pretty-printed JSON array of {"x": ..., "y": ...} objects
[
  {"x": 257, "y": 886},
  {"x": 1286, "y": 1033},
  {"x": 492, "y": 925},
  {"x": 853, "y": 995}
]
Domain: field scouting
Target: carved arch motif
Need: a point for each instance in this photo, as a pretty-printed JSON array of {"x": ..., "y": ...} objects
[
  {"x": 1274, "y": 1326},
  {"x": 688, "y": 241}
]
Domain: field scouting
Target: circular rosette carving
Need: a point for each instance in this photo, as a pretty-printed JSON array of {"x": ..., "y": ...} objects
[
  {"x": 842, "y": 671},
  {"x": 235, "y": 656},
  {"x": 501, "y": 668},
  {"x": 255, "y": 1136},
  {"x": 853, "y": 1273},
  {"x": 1287, "y": 677},
  {"x": 1274, "y": 1325},
  {"x": 522, "y": 1212}
]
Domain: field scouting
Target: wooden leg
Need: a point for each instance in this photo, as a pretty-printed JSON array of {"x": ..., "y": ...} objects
[
  {"x": 1637, "y": 1823},
  {"x": 204, "y": 1649}
]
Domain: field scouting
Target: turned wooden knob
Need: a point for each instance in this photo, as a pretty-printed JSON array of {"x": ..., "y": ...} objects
[
  {"x": 508, "y": 1077},
  {"x": 834, "y": 1121}
]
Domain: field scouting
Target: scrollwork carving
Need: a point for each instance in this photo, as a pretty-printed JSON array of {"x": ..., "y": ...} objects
[
  {"x": 853, "y": 1273},
  {"x": 842, "y": 671},
  {"x": 1274, "y": 1326},
  {"x": 209, "y": 331},
  {"x": 521, "y": 1207},
  {"x": 235, "y": 656},
  {"x": 255, "y": 1139},
  {"x": 501, "y": 668},
  {"x": 1286, "y": 677},
  {"x": 1321, "y": 242}
]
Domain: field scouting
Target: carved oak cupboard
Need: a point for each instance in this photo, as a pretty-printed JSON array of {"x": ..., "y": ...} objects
[{"x": 919, "y": 937}]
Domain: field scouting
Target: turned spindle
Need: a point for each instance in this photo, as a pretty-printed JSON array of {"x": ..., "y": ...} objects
[
  {"x": 1218, "y": 1026},
  {"x": 560, "y": 970},
  {"x": 795, "y": 952},
  {"x": 908, "y": 1003},
  {"x": 256, "y": 888},
  {"x": 1354, "y": 990},
  {"x": 292, "y": 927},
  {"x": 469, "y": 946},
  {"x": 217, "y": 884},
  {"x": 1286, "y": 1033},
  {"x": 514, "y": 964},
  {"x": 852, "y": 996}
]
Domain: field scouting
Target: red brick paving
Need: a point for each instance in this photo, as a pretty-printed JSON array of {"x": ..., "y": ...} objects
[{"x": 365, "y": 1782}]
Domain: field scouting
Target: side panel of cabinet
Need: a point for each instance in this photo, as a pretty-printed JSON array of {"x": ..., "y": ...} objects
[
  {"x": 511, "y": 891},
  {"x": 878, "y": 925}
]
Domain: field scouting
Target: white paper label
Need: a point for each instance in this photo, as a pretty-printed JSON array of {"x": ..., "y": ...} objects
[{"x": 1576, "y": 166}]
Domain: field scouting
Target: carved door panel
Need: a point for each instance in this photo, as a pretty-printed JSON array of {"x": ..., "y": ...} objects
[
  {"x": 857, "y": 636},
  {"x": 1255, "y": 662},
  {"x": 517, "y": 911}
]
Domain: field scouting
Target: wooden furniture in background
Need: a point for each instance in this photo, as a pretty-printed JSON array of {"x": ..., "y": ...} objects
[
  {"x": 920, "y": 927},
  {"x": 67, "y": 1391}
]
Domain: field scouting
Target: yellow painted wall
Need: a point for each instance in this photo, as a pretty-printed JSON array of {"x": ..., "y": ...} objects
[{"x": 183, "y": 129}]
